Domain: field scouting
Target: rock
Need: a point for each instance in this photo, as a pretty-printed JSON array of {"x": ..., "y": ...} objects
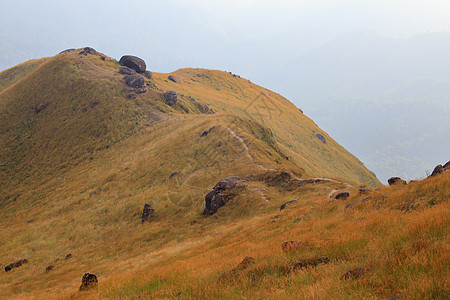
[
  {"x": 354, "y": 273},
  {"x": 135, "y": 81},
  {"x": 348, "y": 206},
  {"x": 364, "y": 191},
  {"x": 126, "y": 71},
  {"x": 447, "y": 166},
  {"x": 439, "y": 169},
  {"x": 174, "y": 79},
  {"x": 103, "y": 57},
  {"x": 343, "y": 196},
  {"x": 206, "y": 132},
  {"x": 221, "y": 193},
  {"x": 174, "y": 174},
  {"x": 395, "y": 180},
  {"x": 131, "y": 96},
  {"x": 49, "y": 268},
  {"x": 133, "y": 62},
  {"x": 88, "y": 281},
  {"x": 148, "y": 74},
  {"x": 141, "y": 91},
  {"x": 293, "y": 246},
  {"x": 321, "y": 138},
  {"x": 40, "y": 107},
  {"x": 90, "y": 50},
  {"x": 409, "y": 207},
  {"x": 171, "y": 97},
  {"x": 245, "y": 263},
  {"x": 307, "y": 263},
  {"x": 68, "y": 256},
  {"x": 82, "y": 52},
  {"x": 283, "y": 206},
  {"x": 147, "y": 213},
  {"x": 366, "y": 199},
  {"x": 16, "y": 264}
]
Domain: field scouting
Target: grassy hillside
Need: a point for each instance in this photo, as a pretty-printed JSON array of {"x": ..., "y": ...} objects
[{"x": 79, "y": 161}]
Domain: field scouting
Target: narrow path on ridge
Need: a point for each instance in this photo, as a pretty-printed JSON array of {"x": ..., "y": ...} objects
[{"x": 247, "y": 151}]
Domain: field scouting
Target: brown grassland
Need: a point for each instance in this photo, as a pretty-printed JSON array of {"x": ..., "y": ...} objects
[{"x": 75, "y": 177}]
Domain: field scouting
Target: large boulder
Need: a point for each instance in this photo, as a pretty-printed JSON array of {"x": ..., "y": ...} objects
[
  {"x": 135, "y": 81},
  {"x": 447, "y": 166},
  {"x": 133, "y": 62},
  {"x": 221, "y": 193},
  {"x": 342, "y": 196},
  {"x": 171, "y": 97},
  {"x": 90, "y": 50}
]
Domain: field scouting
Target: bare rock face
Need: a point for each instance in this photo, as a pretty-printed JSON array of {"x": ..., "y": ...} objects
[
  {"x": 134, "y": 63},
  {"x": 135, "y": 81},
  {"x": 396, "y": 180},
  {"x": 88, "y": 281},
  {"x": 126, "y": 71},
  {"x": 171, "y": 97},
  {"x": 221, "y": 193},
  {"x": 147, "y": 213}
]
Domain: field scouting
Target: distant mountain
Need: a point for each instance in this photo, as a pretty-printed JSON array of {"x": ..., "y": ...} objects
[{"x": 387, "y": 100}]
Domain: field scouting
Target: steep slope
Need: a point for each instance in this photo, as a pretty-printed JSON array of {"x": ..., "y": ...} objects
[{"x": 79, "y": 160}]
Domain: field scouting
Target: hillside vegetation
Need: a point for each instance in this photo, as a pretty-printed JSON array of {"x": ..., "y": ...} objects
[{"x": 79, "y": 161}]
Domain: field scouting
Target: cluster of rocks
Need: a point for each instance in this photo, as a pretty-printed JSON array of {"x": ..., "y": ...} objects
[
  {"x": 16, "y": 264},
  {"x": 439, "y": 169},
  {"x": 86, "y": 51},
  {"x": 135, "y": 71}
]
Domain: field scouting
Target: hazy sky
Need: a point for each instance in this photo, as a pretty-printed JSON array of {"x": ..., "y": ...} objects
[{"x": 231, "y": 34}]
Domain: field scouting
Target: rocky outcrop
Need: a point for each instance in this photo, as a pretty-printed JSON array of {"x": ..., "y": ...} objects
[
  {"x": 174, "y": 79},
  {"x": 126, "y": 71},
  {"x": 206, "y": 132},
  {"x": 439, "y": 169},
  {"x": 16, "y": 264},
  {"x": 321, "y": 138},
  {"x": 133, "y": 62},
  {"x": 395, "y": 181},
  {"x": 221, "y": 193},
  {"x": 171, "y": 97},
  {"x": 147, "y": 213},
  {"x": 135, "y": 81},
  {"x": 88, "y": 281},
  {"x": 90, "y": 50}
]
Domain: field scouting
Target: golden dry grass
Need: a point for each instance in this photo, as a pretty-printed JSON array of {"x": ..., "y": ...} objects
[{"x": 70, "y": 185}]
